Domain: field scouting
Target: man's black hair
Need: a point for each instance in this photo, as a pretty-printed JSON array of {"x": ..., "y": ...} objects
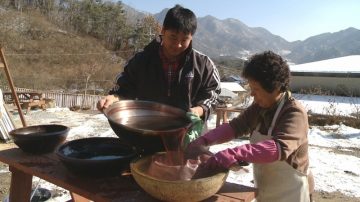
[{"x": 180, "y": 19}]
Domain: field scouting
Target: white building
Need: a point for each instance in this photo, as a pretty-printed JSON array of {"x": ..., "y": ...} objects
[
  {"x": 231, "y": 92},
  {"x": 340, "y": 75},
  {"x": 232, "y": 86}
]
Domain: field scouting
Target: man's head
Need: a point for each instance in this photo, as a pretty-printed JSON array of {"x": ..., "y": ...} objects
[
  {"x": 178, "y": 28},
  {"x": 180, "y": 19}
]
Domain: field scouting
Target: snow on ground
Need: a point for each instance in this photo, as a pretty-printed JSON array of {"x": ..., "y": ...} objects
[
  {"x": 330, "y": 105},
  {"x": 333, "y": 171}
]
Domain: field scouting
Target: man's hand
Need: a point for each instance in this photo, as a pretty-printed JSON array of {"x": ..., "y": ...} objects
[
  {"x": 199, "y": 111},
  {"x": 106, "y": 102}
]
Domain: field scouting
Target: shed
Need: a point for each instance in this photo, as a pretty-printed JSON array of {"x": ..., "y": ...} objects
[
  {"x": 234, "y": 78},
  {"x": 231, "y": 91},
  {"x": 340, "y": 75},
  {"x": 6, "y": 122},
  {"x": 232, "y": 86}
]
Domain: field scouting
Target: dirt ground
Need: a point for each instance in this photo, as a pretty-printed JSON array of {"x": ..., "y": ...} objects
[
  {"x": 5, "y": 182},
  {"x": 318, "y": 196}
]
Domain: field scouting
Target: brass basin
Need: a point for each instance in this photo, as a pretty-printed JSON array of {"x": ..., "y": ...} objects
[
  {"x": 191, "y": 190},
  {"x": 141, "y": 123}
]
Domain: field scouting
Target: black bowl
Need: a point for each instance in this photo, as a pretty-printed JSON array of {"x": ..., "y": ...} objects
[
  {"x": 39, "y": 139},
  {"x": 141, "y": 123},
  {"x": 96, "y": 156}
]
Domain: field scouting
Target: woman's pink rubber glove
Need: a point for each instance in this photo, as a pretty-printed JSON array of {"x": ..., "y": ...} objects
[
  {"x": 218, "y": 135},
  {"x": 201, "y": 145},
  {"x": 262, "y": 152}
]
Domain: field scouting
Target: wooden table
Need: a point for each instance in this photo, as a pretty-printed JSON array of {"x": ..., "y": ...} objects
[
  {"x": 27, "y": 99},
  {"x": 222, "y": 113},
  {"x": 119, "y": 188}
]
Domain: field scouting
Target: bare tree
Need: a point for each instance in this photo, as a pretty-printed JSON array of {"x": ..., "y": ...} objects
[
  {"x": 86, "y": 71},
  {"x": 145, "y": 31}
]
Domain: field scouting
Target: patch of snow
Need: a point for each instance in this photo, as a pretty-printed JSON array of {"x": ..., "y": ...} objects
[{"x": 333, "y": 171}]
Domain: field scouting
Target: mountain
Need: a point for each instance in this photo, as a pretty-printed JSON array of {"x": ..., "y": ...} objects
[
  {"x": 132, "y": 15},
  {"x": 231, "y": 37},
  {"x": 161, "y": 16},
  {"x": 327, "y": 45}
]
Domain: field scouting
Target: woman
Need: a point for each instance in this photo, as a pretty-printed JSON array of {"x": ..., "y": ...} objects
[{"x": 278, "y": 128}]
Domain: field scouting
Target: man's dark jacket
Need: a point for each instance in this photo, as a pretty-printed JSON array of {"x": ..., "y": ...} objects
[{"x": 143, "y": 78}]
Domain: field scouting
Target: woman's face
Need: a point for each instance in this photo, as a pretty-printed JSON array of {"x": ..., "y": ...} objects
[
  {"x": 174, "y": 43},
  {"x": 263, "y": 98}
]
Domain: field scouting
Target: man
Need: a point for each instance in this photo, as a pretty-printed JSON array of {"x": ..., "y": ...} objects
[{"x": 170, "y": 71}]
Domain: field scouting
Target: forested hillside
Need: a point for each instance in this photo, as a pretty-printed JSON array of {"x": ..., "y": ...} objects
[{"x": 62, "y": 45}]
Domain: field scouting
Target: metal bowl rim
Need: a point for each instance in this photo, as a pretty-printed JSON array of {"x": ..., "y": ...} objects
[{"x": 148, "y": 103}]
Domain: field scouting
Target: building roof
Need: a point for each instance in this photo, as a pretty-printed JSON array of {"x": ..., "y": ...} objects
[
  {"x": 227, "y": 93},
  {"x": 347, "y": 64},
  {"x": 232, "y": 86}
]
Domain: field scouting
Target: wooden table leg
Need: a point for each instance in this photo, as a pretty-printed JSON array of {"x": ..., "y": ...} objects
[
  {"x": 224, "y": 117},
  {"x": 20, "y": 187},
  {"x": 218, "y": 117},
  {"x": 221, "y": 114}
]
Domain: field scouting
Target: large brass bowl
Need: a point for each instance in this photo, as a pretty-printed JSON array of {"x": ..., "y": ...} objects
[
  {"x": 192, "y": 190},
  {"x": 141, "y": 123}
]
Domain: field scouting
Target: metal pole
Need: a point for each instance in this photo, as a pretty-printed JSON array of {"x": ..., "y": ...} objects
[{"x": 13, "y": 91}]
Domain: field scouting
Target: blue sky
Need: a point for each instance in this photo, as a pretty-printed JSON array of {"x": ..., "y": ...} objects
[{"x": 290, "y": 19}]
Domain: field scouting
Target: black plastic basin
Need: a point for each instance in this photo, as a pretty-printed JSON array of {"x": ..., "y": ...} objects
[
  {"x": 96, "y": 156},
  {"x": 39, "y": 139}
]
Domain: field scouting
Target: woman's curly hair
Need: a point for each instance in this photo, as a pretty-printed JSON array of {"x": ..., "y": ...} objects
[{"x": 269, "y": 69}]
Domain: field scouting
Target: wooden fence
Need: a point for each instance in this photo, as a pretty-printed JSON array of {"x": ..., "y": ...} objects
[
  {"x": 71, "y": 100},
  {"x": 65, "y": 99}
]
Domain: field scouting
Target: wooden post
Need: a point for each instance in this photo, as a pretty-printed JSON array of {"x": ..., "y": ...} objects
[
  {"x": 20, "y": 187},
  {"x": 11, "y": 84}
]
